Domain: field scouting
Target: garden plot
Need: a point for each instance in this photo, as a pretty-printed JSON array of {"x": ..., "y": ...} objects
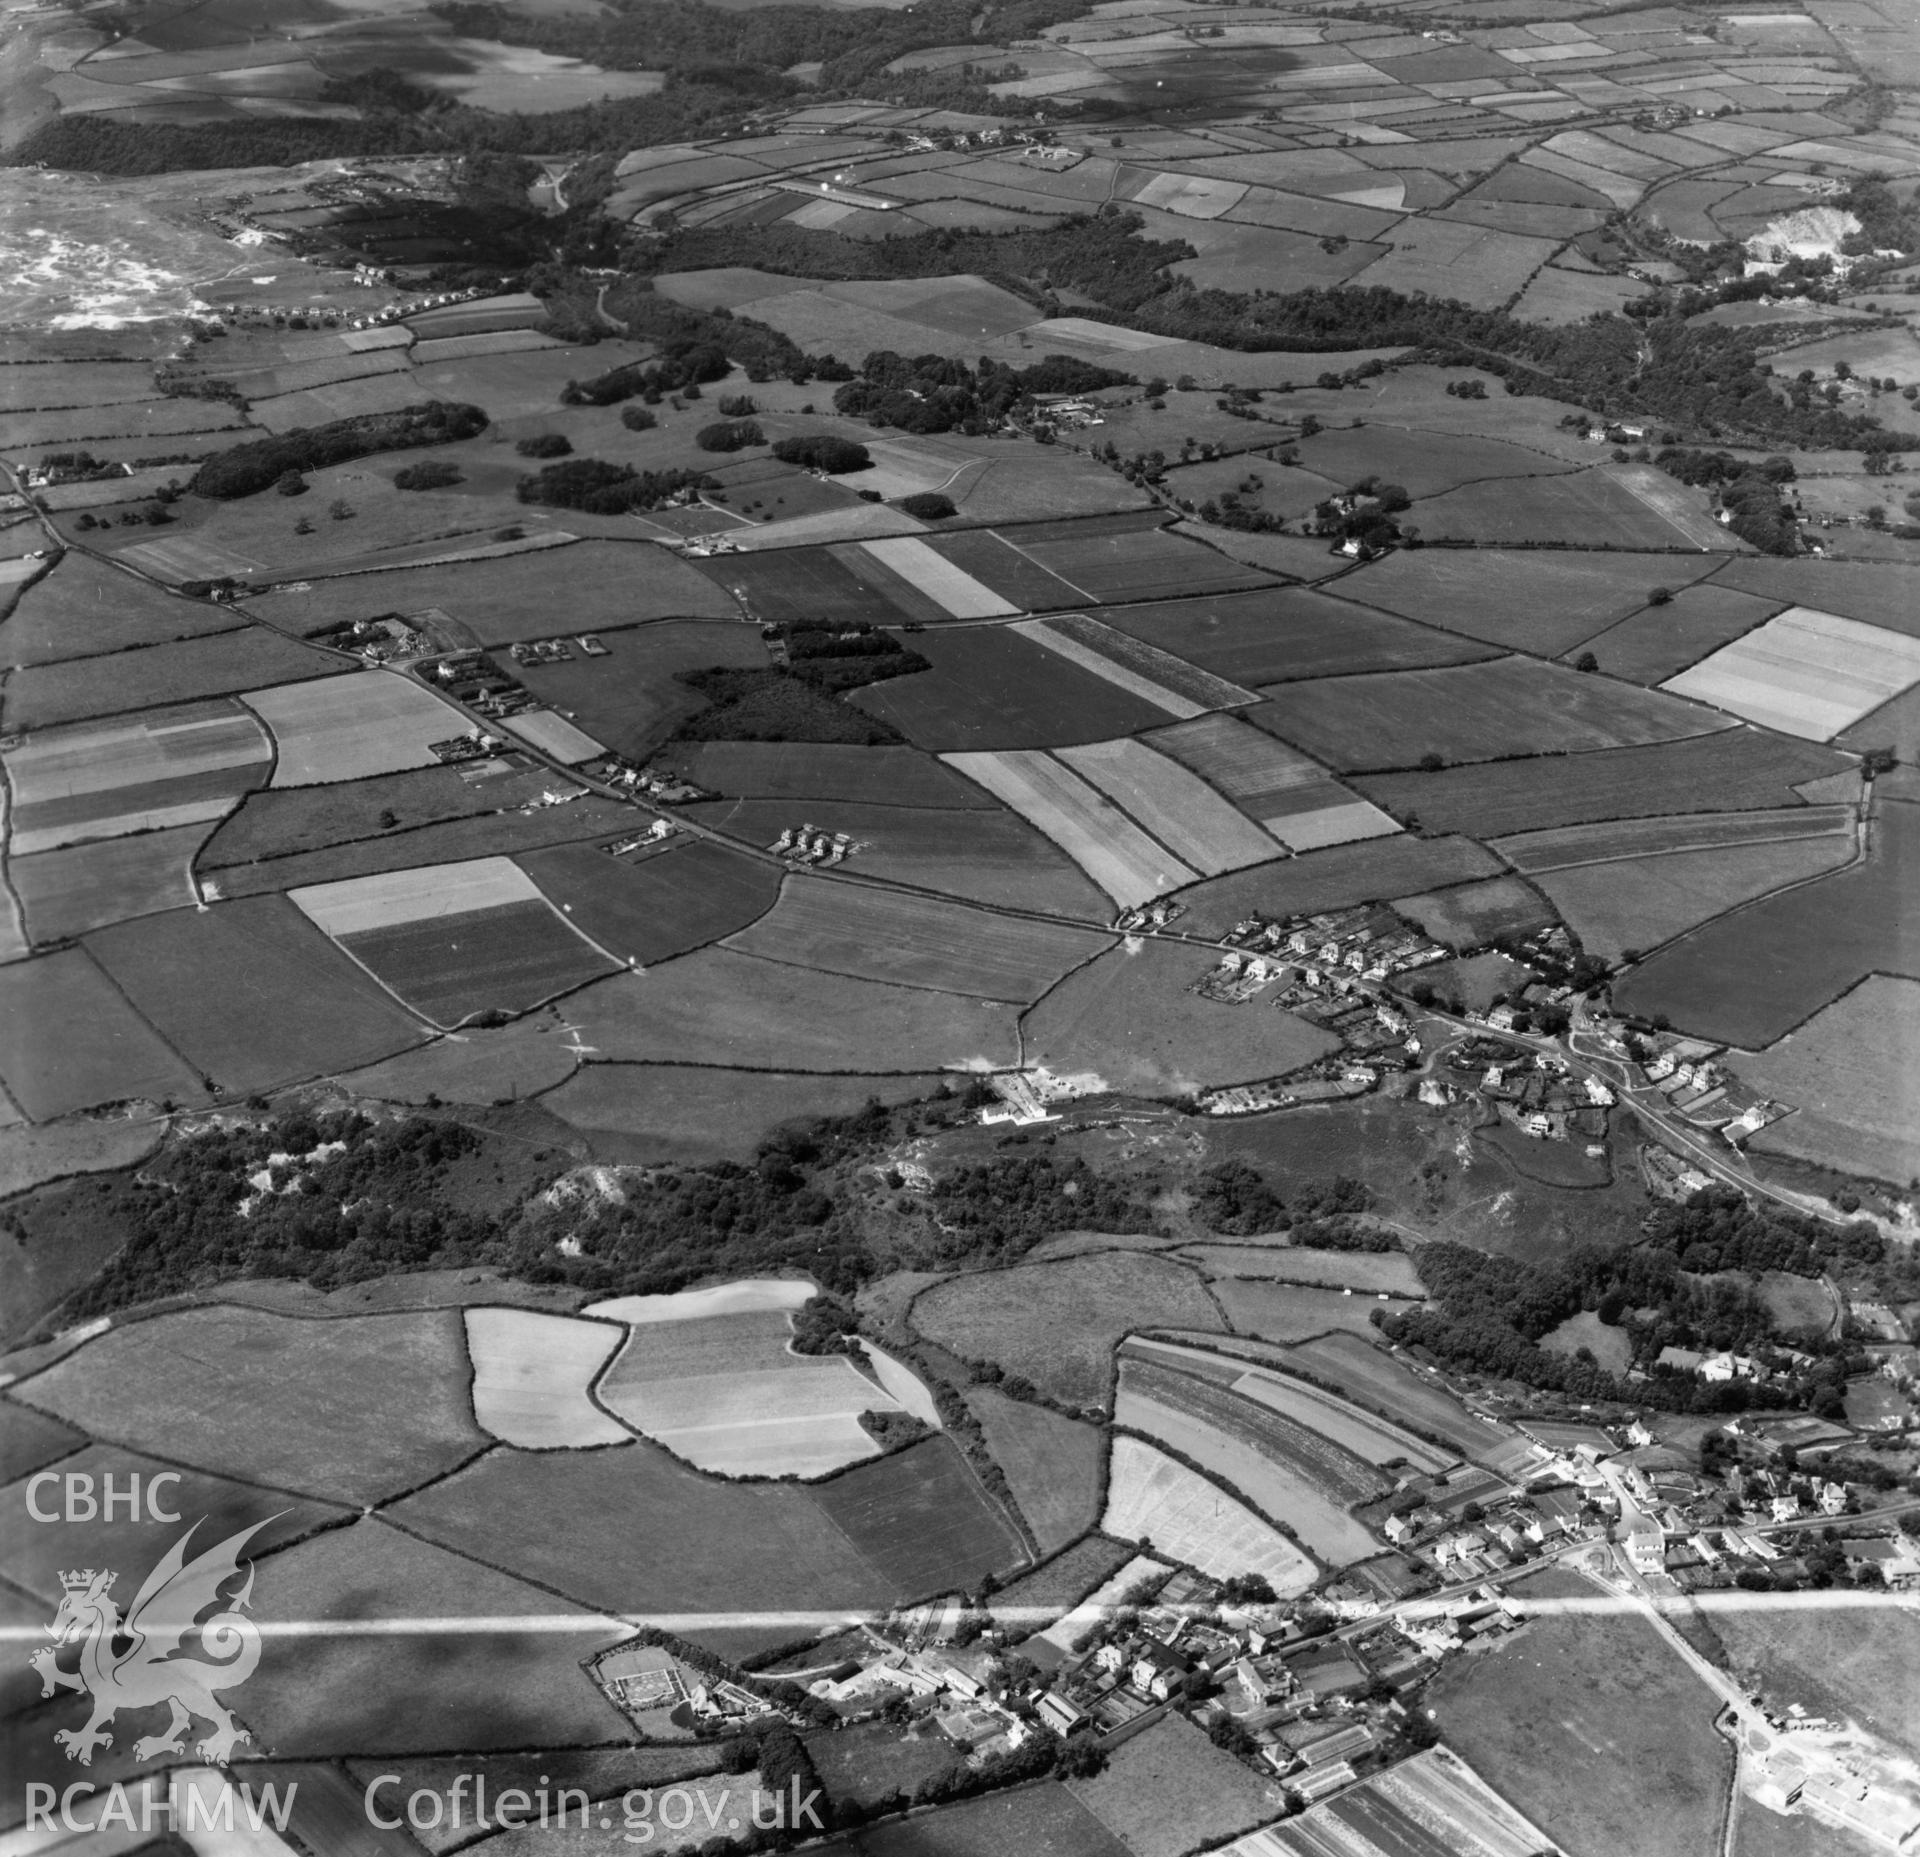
[
  {"x": 915, "y": 941},
  {"x": 1292, "y": 1474},
  {"x": 1805, "y": 673},
  {"x": 726, "y": 1393},
  {"x": 376, "y": 723},
  {"x": 1180, "y": 688},
  {"x": 1176, "y": 806},
  {"x": 531, "y": 1373},
  {"x": 168, "y": 767},
  {"x": 452, "y": 940},
  {"x": 1153, "y": 1497},
  {"x": 1082, "y": 821},
  {"x": 950, "y": 587}
]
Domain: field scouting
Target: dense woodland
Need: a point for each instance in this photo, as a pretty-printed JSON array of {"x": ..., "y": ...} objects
[{"x": 267, "y": 463}]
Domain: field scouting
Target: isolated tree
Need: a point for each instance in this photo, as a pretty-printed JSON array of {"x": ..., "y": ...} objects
[{"x": 1586, "y": 661}]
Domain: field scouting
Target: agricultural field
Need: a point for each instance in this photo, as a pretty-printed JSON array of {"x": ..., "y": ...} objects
[
  {"x": 1169, "y": 1788},
  {"x": 1658, "y": 642},
  {"x": 1856, "y": 1665},
  {"x": 1285, "y": 633},
  {"x": 353, "y": 727},
  {"x": 1369, "y": 1271},
  {"x": 1848, "y": 1071},
  {"x": 1593, "y": 509},
  {"x": 1534, "y": 852},
  {"x": 1176, "y": 806},
  {"x": 80, "y": 609},
  {"x": 872, "y": 934},
  {"x": 1130, "y": 663},
  {"x": 350, "y": 1411},
  {"x": 1054, "y": 1465},
  {"x": 1478, "y": 712},
  {"x": 719, "y": 1006},
  {"x": 1377, "y": 1381},
  {"x": 1530, "y": 1716},
  {"x": 1289, "y": 1311},
  {"x": 1873, "y": 593},
  {"x": 1750, "y": 977},
  {"x": 1805, "y": 673},
  {"x": 531, "y": 1375},
  {"x": 1130, "y": 1018},
  {"x": 1056, "y": 1324},
  {"x": 251, "y": 994},
  {"x": 1153, "y": 1497},
  {"x": 1046, "y": 1820},
  {"x": 727, "y": 1394},
  {"x": 692, "y": 1113},
  {"x": 990, "y": 687},
  {"x": 1471, "y": 915},
  {"x": 1733, "y": 770},
  {"x": 65, "y": 893},
  {"x": 1050, "y": 1590},
  {"x": 643, "y": 909},
  {"x": 823, "y": 771},
  {"x": 1288, "y": 1473}
]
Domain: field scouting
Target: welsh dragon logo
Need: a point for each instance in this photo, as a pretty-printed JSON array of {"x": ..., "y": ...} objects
[{"x": 131, "y": 1663}]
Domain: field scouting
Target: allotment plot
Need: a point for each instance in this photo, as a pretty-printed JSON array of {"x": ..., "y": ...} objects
[{"x": 1805, "y": 673}]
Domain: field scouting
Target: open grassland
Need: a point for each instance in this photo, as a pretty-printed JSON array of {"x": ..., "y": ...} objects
[
  {"x": 719, "y": 1007},
  {"x": 530, "y": 1378},
  {"x": 1368, "y": 1271},
  {"x": 1176, "y": 806},
  {"x": 44, "y": 695},
  {"x": 875, "y": 1762},
  {"x": 1659, "y": 641},
  {"x": 1874, "y": 592},
  {"x": 1859, "y": 1666},
  {"x": 1730, "y": 771},
  {"x": 1424, "y": 463},
  {"x": 1335, "y": 878},
  {"x": 391, "y": 1691},
  {"x": 80, "y": 887},
  {"x": 1475, "y": 712},
  {"x": 1055, "y": 1324},
  {"x": 1290, "y": 1311},
  {"x": 824, "y": 771},
  {"x": 990, "y": 687},
  {"x": 1044, "y": 1821},
  {"x": 1373, "y": 1378},
  {"x": 679, "y": 1112},
  {"x": 921, "y": 1519},
  {"x": 168, "y": 767},
  {"x": 349, "y": 1411},
  {"x": 69, "y": 1040},
  {"x": 608, "y": 583},
  {"x": 1748, "y": 978},
  {"x": 1590, "y": 509},
  {"x": 1283, "y": 633},
  {"x": 30, "y": 1156},
  {"x": 483, "y": 1064},
  {"x": 1597, "y": 1697},
  {"x": 1473, "y": 914},
  {"x": 1130, "y": 1017},
  {"x": 1039, "y": 1597},
  {"x": 1609, "y": 1346},
  {"x": 82, "y": 610},
  {"x": 648, "y": 909},
  {"x": 1539, "y": 600},
  {"x": 1170, "y": 1789},
  {"x": 1805, "y": 673},
  {"x": 251, "y": 994},
  {"x": 1645, "y": 902},
  {"x": 1090, "y": 828},
  {"x": 351, "y": 727},
  {"x": 979, "y": 850},
  {"x": 1131, "y": 563},
  {"x": 1153, "y": 1497},
  {"x": 915, "y": 941},
  {"x": 631, "y": 699},
  {"x": 1288, "y": 1472},
  {"x": 1053, "y": 1464},
  {"x": 785, "y": 584},
  {"x": 1849, "y": 1071}
]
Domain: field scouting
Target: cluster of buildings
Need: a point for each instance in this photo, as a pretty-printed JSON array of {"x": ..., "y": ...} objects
[
  {"x": 1369, "y": 942},
  {"x": 1533, "y": 1090},
  {"x": 809, "y": 844},
  {"x": 475, "y": 680},
  {"x": 556, "y": 650}
]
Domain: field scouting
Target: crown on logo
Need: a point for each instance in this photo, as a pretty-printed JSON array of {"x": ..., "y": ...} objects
[{"x": 81, "y": 1578}]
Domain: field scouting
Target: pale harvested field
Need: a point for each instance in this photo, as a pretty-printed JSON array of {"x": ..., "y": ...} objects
[
  {"x": 1176, "y": 806},
  {"x": 66, "y": 774},
  {"x": 905, "y": 1385},
  {"x": 1087, "y": 826},
  {"x": 1131, "y": 663},
  {"x": 1805, "y": 673},
  {"x": 754, "y": 1295},
  {"x": 393, "y": 897},
  {"x": 530, "y": 1378},
  {"x": 1076, "y": 652},
  {"x": 350, "y": 727},
  {"x": 949, "y": 586},
  {"x": 556, "y": 737},
  {"x": 1151, "y": 1496},
  {"x": 1346, "y": 822}
]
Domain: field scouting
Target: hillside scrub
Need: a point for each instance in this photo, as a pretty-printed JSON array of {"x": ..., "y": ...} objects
[{"x": 260, "y": 464}]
